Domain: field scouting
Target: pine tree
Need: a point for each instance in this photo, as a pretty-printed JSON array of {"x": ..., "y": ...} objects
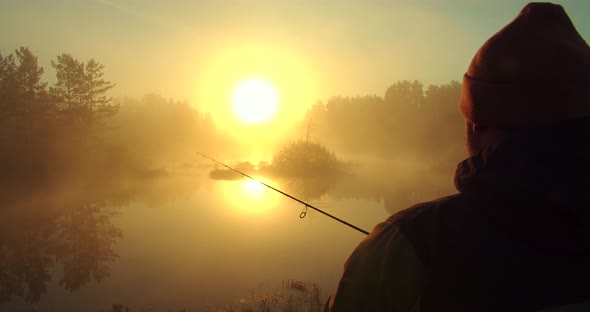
[
  {"x": 81, "y": 90},
  {"x": 23, "y": 96},
  {"x": 8, "y": 87},
  {"x": 69, "y": 88},
  {"x": 98, "y": 104}
]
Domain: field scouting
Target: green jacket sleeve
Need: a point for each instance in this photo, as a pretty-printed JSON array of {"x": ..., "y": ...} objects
[{"x": 382, "y": 274}]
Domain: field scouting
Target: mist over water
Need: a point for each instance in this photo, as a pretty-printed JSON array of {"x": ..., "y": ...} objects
[{"x": 106, "y": 201}]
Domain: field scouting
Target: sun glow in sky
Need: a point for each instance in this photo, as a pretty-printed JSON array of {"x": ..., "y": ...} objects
[
  {"x": 255, "y": 89},
  {"x": 255, "y": 100}
]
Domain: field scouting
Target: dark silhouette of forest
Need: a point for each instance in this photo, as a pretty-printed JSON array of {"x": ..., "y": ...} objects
[
  {"x": 408, "y": 120},
  {"x": 403, "y": 147},
  {"x": 47, "y": 157}
]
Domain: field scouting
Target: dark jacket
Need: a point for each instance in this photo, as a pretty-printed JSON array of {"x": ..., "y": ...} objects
[{"x": 515, "y": 238}]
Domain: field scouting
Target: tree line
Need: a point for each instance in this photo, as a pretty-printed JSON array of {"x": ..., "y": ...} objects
[
  {"x": 77, "y": 96},
  {"x": 44, "y": 144},
  {"x": 409, "y": 120},
  {"x": 403, "y": 146}
]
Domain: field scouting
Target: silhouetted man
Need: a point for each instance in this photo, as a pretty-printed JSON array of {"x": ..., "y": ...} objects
[{"x": 517, "y": 235}]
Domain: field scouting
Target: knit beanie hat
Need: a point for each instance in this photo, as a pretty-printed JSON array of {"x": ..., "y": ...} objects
[{"x": 534, "y": 71}]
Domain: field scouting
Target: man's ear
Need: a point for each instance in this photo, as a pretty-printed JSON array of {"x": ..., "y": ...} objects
[{"x": 477, "y": 128}]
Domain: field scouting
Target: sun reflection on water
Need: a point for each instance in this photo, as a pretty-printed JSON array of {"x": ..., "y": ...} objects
[
  {"x": 250, "y": 197},
  {"x": 253, "y": 188}
]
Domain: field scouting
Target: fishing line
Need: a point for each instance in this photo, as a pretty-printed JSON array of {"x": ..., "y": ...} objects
[{"x": 307, "y": 205}]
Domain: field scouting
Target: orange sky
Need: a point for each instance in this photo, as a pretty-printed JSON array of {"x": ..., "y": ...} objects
[{"x": 310, "y": 50}]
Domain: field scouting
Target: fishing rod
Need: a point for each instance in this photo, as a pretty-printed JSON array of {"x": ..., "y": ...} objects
[{"x": 307, "y": 205}]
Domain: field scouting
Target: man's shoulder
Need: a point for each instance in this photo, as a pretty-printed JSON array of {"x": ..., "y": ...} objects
[
  {"x": 404, "y": 226},
  {"x": 428, "y": 210},
  {"x": 388, "y": 269},
  {"x": 424, "y": 224}
]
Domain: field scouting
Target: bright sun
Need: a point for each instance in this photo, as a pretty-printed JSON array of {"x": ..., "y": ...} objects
[{"x": 254, "y": 100}]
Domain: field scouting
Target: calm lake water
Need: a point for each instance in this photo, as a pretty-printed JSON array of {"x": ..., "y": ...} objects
[{"x": 212, "y": 243}]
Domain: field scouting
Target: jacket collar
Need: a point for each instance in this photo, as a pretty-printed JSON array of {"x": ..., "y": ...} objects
[
  {"x": 534, "y": 185},
  {"x": 535, "y": 157}
]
